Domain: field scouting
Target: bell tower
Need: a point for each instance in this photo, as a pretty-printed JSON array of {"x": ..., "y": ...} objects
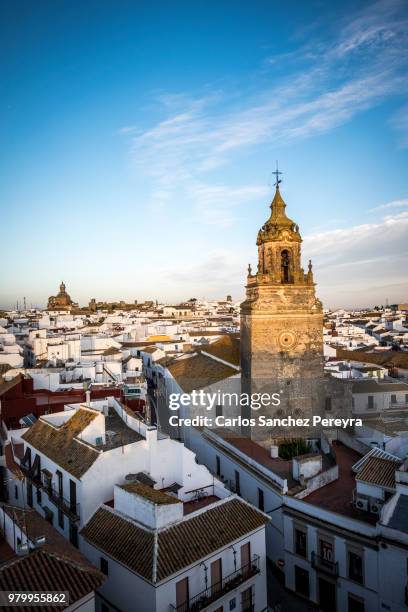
[{"x": 282, "y": 327}]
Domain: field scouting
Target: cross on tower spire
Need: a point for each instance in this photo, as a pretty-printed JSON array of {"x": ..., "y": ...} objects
[{"x": 277, "y": 173}]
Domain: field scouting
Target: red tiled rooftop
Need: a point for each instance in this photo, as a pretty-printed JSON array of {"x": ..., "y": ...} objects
[{"x": 337, "y": 496}]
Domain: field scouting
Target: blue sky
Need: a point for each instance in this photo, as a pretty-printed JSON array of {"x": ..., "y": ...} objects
[{"x": 138, "y": 141}]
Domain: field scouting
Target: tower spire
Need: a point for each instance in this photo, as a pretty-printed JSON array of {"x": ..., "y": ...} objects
[{"x": 277, "y": 173}]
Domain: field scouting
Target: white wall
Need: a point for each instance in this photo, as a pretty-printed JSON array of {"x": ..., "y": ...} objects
[
  {"x": 250, "y": 482},
  {"x": 130, "y": 592}
]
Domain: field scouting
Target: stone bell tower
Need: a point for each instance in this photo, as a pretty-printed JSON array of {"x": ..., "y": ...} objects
[{"x": 282, "y": 328}]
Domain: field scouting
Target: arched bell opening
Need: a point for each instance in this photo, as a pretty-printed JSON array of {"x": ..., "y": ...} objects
[{"x": 286, "y": 267}]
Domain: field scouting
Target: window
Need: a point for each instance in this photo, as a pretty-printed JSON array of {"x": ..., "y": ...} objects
[
  {"x": 218, "y": 410},
  {"x": 16, "y": 491},
  {"x": 218, "y": 465},
  {"x": 393, "y": 399},
  {"x": 61, "y": 522},
  {"x": 261, "y": 504},
  {"x": 47, "y": 479},
  {"x": 30, "y": 494},
  {"x": 59, "y": 483},
  {"x": 328, "y": 403},
  {"x": 247, "y": 600},
  {"x": 48, "y": 515},
  {"x": 355, "y": 604},
  {"x": 301, "y": 581},
  {"x": 237, "y": 483},
  {"x": 73, "y": 534},
  {"x": 104, "y": 566},
  {"x": 355, "y": 567},
  {"x": 72, "y": 496},
  {"x": 27, "y": 458},
  {"x": 301, "y": 542},
  {"x": 370, "y": 400},
  {"x": 232, "y": 604},
  {"x": 39, "y": 496}
]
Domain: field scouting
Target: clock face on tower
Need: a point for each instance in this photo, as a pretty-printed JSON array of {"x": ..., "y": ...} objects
[{"x": 287, "y": 340}]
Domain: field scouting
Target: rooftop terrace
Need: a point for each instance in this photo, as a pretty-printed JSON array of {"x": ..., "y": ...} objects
[
  {"x": 117, "y": 432},
  {"x": 337, "y": 496}
]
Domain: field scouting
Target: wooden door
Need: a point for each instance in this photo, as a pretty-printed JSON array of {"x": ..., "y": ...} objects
[
  {"x": 245, "y": 556},
  {"x": 216, "y": 576},
  {"x": 182, "y": 595}
]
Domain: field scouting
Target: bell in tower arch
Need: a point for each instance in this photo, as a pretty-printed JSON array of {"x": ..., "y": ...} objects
[{"x": 285, "y": 267}]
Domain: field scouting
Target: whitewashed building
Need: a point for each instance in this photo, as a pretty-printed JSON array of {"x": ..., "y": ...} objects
[{"x": 164, "y": 551}]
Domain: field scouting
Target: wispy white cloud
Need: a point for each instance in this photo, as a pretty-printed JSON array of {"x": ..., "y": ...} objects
[
  {"x": 348, "y": 260},
  {"x": 391, "y": 205},
  {"x": 198, "y": 135},
  {"x": 359, "y": 265}
]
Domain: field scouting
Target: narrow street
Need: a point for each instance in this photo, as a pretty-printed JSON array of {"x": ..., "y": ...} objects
[{"x": 282, "y": 600}]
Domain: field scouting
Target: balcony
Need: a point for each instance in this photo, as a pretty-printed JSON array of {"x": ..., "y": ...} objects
[
  {"x": 218, "y": 590},
  {"x": 401, "y": 405},
  {"x": 321, "y": 564},
  {"x": 70, "y": 509}
]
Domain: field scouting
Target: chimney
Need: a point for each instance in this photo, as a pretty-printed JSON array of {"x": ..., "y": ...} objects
[
  {"x": 274, "y": 451},
  {"x": 151, "y": 436},
  {"x": 88, "y": 397}
]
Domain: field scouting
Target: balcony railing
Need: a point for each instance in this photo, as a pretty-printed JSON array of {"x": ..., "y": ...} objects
[
  {"x": 219, "y": 589},
  {"x": 397, "y": 405},
  {"x": 329, "y": 567},
  {"x": 69, "y": 508}
]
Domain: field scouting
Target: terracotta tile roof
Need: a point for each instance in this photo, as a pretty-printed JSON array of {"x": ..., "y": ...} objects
[
  {"x": 199, "y": 371},
  {"x": 11, "y": 464},
  {"x": 204, "y": 333},
  {"x": 372, "y": 386},
  {"x": 398, "y": 359},
  {"x": 178, "y": 545},
  {"x": 153, "y": 495},
  {"x": 111, "y": 351},
  {"x": 378, "y": 471},
  {"x": 122, "y": 540},
  {"x": 6, "y": 386},
  {"x": 185, "y": 542},
  {"x": 134, "y": 343},
  {"x": 226, "y": 348},
  {"x": 150, "y": 349},
  {"x": 36, "y": 526},
  {"x": 44, "y": 571},
  {"x": 60, "y": 444}
]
